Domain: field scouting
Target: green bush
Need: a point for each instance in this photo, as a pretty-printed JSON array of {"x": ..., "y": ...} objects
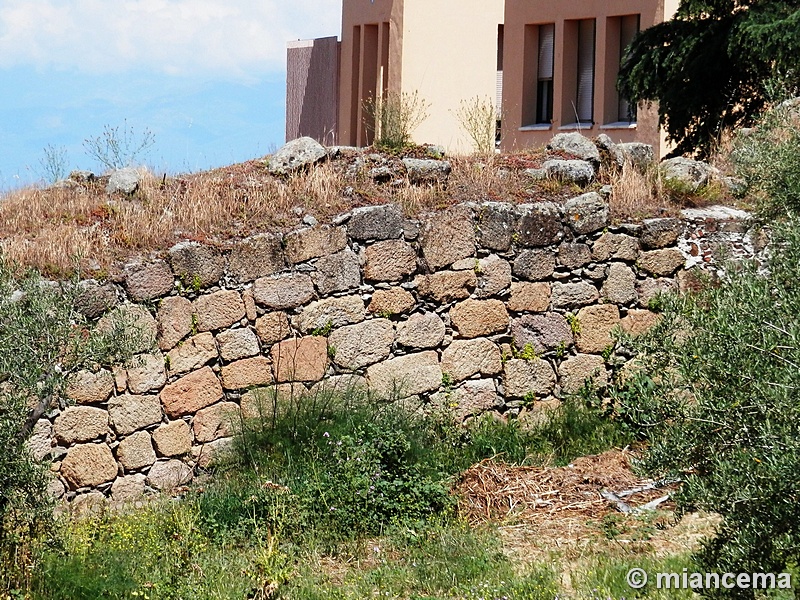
[
  {"x": 158, "y": 552},
  {"x": 43, "y": 339},
  {"x": 715, "y": 390},
  {"x": 766, "y": 157},
  {"x": 330, "y": 467}
]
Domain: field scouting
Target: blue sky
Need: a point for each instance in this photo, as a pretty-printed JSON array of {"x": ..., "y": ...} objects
[{"x": 206, "y": 77}]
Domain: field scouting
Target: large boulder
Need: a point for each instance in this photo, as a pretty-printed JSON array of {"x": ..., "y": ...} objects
[
  {"x": 423, "y": 170},
  {"x": 577, "y": 145},
  {"x": 579, "y": 172},
  {"x": 123, "y": 181},
  {"x": 295, "y": 155},
  {"x": 686, "y": 172}
]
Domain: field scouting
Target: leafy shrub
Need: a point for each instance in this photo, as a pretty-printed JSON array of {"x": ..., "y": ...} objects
[
  {"x": 344, "y": 463},
  {"x": 43, "y": 339},
  {"x": 714, "y": 389},
  {"x": 766, "y": 157},
  {"x": 338, "y": 466}
]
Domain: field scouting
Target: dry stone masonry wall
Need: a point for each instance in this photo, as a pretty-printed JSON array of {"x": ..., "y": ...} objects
[{"x": 480, "y": 308}]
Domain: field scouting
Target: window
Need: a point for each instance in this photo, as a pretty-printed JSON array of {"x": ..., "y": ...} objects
[
  {"x": 499, "y": 82},
  {"x": 544, "y": 84},
  {"x": 584, "y": 104},
  {"x": 628, "y": 28}
]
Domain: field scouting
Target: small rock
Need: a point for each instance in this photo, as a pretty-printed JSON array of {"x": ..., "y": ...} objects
[
  {"x": 586, "y": 213},
  {"x": 330, "y": 312},
  {"x": 196, "y": 265},
  {"x": 538, "y": 225},
  {"x": 363, "y": 344},
  {"x": 543, "y": 332},
  {"x": 596, "y": 324},
  {"x": 300, "y": 359},
  {"x": 475, "y": 318},
  {"x": 496, "y": 222},
  {"x": 405, "y": 376},
  {"x": 572, "y": 295},
  {"x": 446, "y": 286},
  {"x": 640, "y": 155},
  {"x": 337, "y": 272},
  {"x": 447, "y": 237},
  {"x": 524, "y": 377},
  {"x": 167, "y": 475},
  {"x": 394, "y": 301},
  {"x": 88, "y": 465},
  {"x": 574, "y": 372},
  {"x": 128, "y": 413},
  {"x": 376, "y": 223},
  {"x": 658, "y": 233},
  {"x": 534, "y": 265},
  {"x": 421, "y": 330}
]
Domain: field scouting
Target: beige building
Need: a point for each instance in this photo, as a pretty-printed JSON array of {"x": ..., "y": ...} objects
[
  {"x": 443, "y": 50},
  {"x": 549, "y": 66}
]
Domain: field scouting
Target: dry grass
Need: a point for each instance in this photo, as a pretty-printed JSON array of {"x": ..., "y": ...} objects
[
  {"x": 637, "y": 195},
  {"x": 56, "y": 229},
  {"x": 491, "y": 491},
  {"x": 556, "y": 514}
]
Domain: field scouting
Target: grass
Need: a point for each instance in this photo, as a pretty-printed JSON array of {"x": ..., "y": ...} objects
[
  {"x": 326, "y": 496},
  {"x": 47, "y": 227}
]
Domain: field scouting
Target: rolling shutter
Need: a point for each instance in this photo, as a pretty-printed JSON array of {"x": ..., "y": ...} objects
[
  {"x": 585, "y": 103},
  {"x": 547, "y": 36}
]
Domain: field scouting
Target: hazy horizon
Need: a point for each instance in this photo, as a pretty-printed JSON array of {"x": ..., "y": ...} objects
[{"x": 206, "y": 77}]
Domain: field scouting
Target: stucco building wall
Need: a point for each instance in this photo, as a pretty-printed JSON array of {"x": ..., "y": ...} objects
[
  {"x": 447, "y": 52},
  {"x": 523, "y": 22}
]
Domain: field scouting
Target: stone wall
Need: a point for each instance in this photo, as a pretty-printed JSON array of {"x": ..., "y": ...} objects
[{"x": 484, "y": 307}]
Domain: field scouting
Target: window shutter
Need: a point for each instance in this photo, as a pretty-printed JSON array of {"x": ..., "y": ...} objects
[
  {"x": 498, "y": 97},
  {"x": 547, "y": 35},
  {"x": 628, "y": 28},
  {"x": 585, "y": 107}
]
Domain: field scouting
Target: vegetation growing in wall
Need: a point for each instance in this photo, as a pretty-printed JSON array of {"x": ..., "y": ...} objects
[{"x": 315, "y": 480}]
